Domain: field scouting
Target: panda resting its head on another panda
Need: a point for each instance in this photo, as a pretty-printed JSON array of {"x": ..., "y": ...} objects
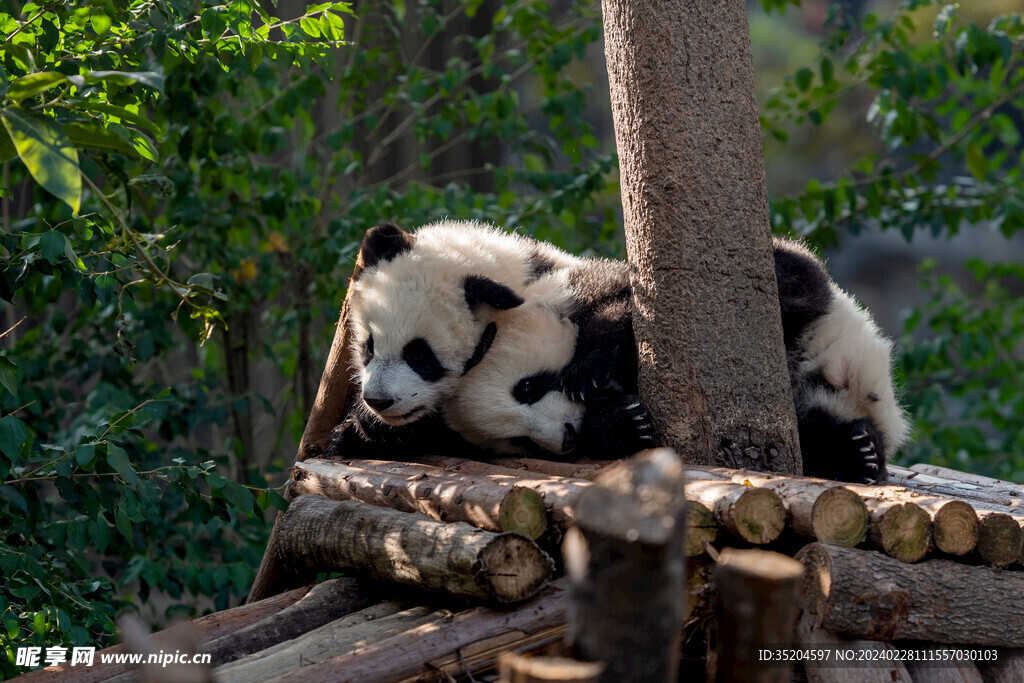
[{"x": 522, "y": 348}]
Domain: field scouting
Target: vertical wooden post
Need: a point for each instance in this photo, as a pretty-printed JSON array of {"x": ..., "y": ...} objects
[
  {"x": 625, "y": 560},
  {"x": 705, "y": 301}
]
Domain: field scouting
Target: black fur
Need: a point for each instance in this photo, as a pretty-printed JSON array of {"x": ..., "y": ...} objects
[
  {"x": 804, "y": 292},
  {"x": 844, "y": 451},
  {"x": 483, "y": 290},
  {"x": 540, "y": 264},
  {"x": 482, "y": 346},
  {"x": 383, "y": 243},
  {"x": 361, "y": 435},
  {"x": 422, "y": 359},
  {"x": 605, "y": 348},
  {"x": 614, "y": 427}
]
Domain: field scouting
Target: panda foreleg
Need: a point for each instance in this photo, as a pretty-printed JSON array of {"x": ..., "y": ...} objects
[
  {"x": 832, "y": 448},
  {"x": 614, "y": 427}
]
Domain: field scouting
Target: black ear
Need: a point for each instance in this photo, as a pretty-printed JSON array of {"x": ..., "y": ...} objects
[
  {"x": 483, "y": 290},
  {"x": 383, "y": 243}
]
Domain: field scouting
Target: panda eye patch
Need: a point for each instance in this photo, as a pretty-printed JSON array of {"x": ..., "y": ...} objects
[
  {"x": 420, "y": 357},
  {"x": 531, "y": 389},
  {"x": 368, "y": 350}
]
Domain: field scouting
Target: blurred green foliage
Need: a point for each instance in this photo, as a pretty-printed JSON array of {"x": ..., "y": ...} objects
[{"x": 184, "y": 192}]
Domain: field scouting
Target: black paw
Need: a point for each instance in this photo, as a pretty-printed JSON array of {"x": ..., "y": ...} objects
[
  {"x": 589, "y": 378},
  {"x": 844, "y": 451},
  {"x": 616, "y": 428}
]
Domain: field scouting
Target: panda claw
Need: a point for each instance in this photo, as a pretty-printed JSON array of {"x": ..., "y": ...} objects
[
  {"x": 859, "y": 435},
  {"x": 867, "y": 449},
  {"x": 869, "y": 481},
  {"x": 647, "y": 437},
  {"x": 631, "y": 406}
]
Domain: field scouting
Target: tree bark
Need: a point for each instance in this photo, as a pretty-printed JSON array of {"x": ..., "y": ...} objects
[
  {"x": 868, "y": 595},
  {"x": 444, "y": 496},
  {"x": 339, "y": 637},
  {"x": 1011, "y": 489},
  {"x": 1000, "y": 538},
  {"x": 698, "y": 237},
  {"x": 928, "y": 484},
  {"x": 326, "y": 602},
  {"x": 758, "y": 606},
  {"x": 625, "y": 562},
  {"x": 900, "y": 530},
  {"x": 407, "y": 654},
  {"x": 320, "y": 534}
]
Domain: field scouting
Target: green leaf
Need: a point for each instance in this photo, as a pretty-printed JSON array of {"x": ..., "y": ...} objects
[
  {"x": 124, "y": 525},
  {"x": 150, "y": 79},
  {"x": 13, "y": 435},
  {"x": 827, "y": 70},
  {"x": 214, "y": 23},
  {"x": 3, "y": 82},
  {"x": 47, "y": 153},
  {"x": 239, "y": 496},
  {"x": 85, "y": 453},
  {"x": 100, "y": 22},
  {"x": 114, "y": 111},
  {"x": 118, "y": 459},
  {"x": 803, "y": 78},
  {"x": 33, "y": 84},
  {"x": 95, "y": 136},
  {"x": 9, "y": 375},
  {"x": 51, "y": 245},
  {"x": 144, "y": 147},
  {"x": 976, "y": 162}
]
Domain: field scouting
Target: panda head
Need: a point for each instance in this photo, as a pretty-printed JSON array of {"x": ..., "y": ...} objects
[
  {"x": 417, "y": 315},
  {"x": 511, "y": 402}
]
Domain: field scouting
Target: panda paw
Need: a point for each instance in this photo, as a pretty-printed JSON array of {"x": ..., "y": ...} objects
[
  {"x": 617, "y": 427},
  {"x": 868, "y": 465},
  {"x": 589, "y": 378},
  {"x": 851, "y": 451}
]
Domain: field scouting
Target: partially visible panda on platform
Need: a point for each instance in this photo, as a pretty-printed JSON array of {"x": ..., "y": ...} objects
[
  {"x": 512, "y": 401},
  {"x": 848, "y": 417},
  {"x": 419, "y": 318}
]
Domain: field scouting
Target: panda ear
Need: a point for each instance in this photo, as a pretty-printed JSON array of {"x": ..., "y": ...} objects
[
  {"x": 483, "y": 290},
  {"x": 383, "y": 243}
]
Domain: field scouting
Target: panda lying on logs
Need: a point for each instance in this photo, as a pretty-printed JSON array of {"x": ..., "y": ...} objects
[{"x": 849, "y": 420}]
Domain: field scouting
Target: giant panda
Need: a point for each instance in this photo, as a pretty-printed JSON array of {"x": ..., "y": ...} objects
[
  {"x": 848, "y": 417},
  {"x": 512, "y": 401},
  {"x": 418, "y": 317}
]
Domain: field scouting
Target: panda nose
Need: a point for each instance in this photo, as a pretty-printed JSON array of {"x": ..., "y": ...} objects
[
  {"x": 379, "y": 404},
  {"x": 569, "y": 438}
]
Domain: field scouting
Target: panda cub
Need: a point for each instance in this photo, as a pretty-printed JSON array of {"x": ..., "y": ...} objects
[
  {"x": 512, "y": 401},
  {"x": 849, "y": 420},
  {"x": 419, "y": 319}
]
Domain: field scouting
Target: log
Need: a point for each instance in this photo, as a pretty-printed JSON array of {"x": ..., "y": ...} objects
[
  {"x": 932, "y": 485},
  {"x": 1000, "y": 538},
  {"x": 326, "y": 602},
  {"x": 1007, "y": 668},
  {"x": 404, "y": 655},
  {"x": 1012, "y": 490},
  {"x": 900, "y": 530},
  {"x": 700, "y": 588},
  {"x": 444, "y": 496},
  {"x": 924, "y": 671},
  {"x": 515, "y": 668},
  {"x": 274, "y": 576},
  {"x": 954, "y": 524},
  {"x": 819, "y": 509},
  {"x": 756, "y": 515},
  {"x": 320, "y": 534},
  {"x": 758, "y": 605},
  {"x": 339, "y": 637},
  {"x": 582, "y": 469},
  {"x": 206, "y": 628},
  {"x": 868, "y": 595},
  {"x": 559, "y": 493},
  {"x": 625, "y": 561},
  {"x": 701, "y": 529},
  {"x": 879, "y": 670}
]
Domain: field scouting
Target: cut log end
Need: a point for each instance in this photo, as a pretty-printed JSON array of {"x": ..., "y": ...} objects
[
  {"x": 955, "y": 528},
  {"x": 701, "y": 529},
  {"x": 904, "y": 532},
  {"x": 511, "y": 568},
  {"x": 999, "y": 539},
  {"x": 523, "y": 511},
  {"x": 760, "y": 516},
  {"x": 840, "y": 516}
]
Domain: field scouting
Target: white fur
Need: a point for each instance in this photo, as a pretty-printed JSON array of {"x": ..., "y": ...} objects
[
  {"x": 849, "y": 350},
  {"x": 533, "y": 338},
  {"x": 420, "y": 293}
]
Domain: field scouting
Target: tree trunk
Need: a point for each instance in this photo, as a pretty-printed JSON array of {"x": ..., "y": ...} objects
[
  {"x": 320, "y": 534},
  {"x": 758, "y": 606},
  {"x": 868, "y": 595},
  {"x": 625, "y": 562},
  {"x": 697, "y": 232}
]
